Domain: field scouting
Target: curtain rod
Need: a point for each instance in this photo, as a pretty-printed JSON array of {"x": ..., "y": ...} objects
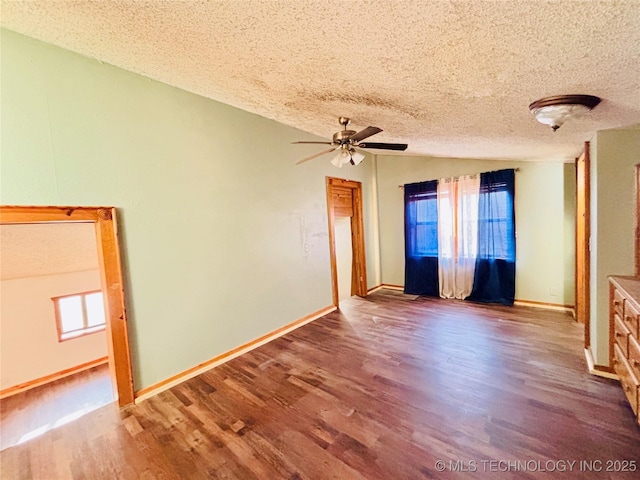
[{"x": 515, "y": 170}]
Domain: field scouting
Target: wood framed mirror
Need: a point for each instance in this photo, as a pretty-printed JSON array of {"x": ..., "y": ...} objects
[{"x": 104, "y": 220}]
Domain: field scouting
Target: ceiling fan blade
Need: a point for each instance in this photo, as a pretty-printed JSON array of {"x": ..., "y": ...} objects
[
  {"x": 311, "y": 157},
  {"x": 365, "y": 133},
  {"x": 384, "y": 146},
  {"x": 318, "y": 143}
]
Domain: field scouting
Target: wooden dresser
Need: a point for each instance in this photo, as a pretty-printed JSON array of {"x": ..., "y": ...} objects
[{"x": 624, "y": 335}]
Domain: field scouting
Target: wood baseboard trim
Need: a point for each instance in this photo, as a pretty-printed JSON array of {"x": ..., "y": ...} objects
[
  {"x": 522, "y": 303},
  {"x": 174, "y": 380},
  {"x": 375, "y": 289},
  {"x": 598, "y": 370},
  {"x": 23, "y": 387},
  {"x": 545, "y": 305}
]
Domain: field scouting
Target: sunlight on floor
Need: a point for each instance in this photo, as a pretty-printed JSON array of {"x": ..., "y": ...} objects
[
  {"x": 31, "y": 414},
  {"x": 35, "y": 433}
]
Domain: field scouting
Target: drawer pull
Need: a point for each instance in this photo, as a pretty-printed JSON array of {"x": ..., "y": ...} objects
[
  {"x": 620, "y": 335},
  {"x": 636, "y": 363},
  {"x": 627, "y": 388},
  {"x": 616, "y": 303}
]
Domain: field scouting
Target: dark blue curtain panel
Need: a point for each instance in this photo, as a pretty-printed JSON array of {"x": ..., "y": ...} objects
[
  {"x": 421, "y": 238},
  {"x": 495, "y": 275}
]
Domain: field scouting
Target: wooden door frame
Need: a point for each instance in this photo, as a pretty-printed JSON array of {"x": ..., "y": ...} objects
[
  {"x": 104, "y": 219},
  {"x": 637, "y": 222},
  {"x": 359, "y": 273},
  {"x": 583, "y": 298}
]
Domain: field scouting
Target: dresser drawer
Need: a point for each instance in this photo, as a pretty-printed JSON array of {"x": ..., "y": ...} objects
[
  {"x": 618, "y": 302},
  {"x": 621, "y": 335},
  {"x": 631, "y": 318},
  {"x": 634, "y": 356},
  {"x": 627, "y": 378}
]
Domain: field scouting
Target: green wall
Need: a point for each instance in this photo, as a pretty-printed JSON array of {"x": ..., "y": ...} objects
[
  {"x": 545, "y": 209},
  {"x": 223, "y": 238},
  {"x": 614, "y": 154}
]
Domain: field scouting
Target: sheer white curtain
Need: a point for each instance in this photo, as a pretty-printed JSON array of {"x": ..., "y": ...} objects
[{"x": 457, "y": 234}]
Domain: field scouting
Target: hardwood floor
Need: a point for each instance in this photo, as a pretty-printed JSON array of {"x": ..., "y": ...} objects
[
  {"x": 29, "y": 414},
  {"x": 383, "y": 389}
]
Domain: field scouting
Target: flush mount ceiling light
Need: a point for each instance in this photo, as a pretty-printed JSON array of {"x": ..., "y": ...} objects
[{"x": 554, "y": 111}]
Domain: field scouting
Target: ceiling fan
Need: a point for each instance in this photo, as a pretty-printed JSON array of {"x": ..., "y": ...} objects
[{"x": 346, "y": 142}]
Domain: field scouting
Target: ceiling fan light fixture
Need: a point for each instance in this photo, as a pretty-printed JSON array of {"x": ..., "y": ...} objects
[
  {"x": 555, "y": 111},
  {"x": 344, "y": 142},
  {"x": 341, "y": 158},
  {"x": 356, "y": 157}
]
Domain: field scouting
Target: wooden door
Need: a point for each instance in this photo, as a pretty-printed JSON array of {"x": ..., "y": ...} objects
[
  {"x": 583, "y": 186},
  {"x": 344, "y": 199}
]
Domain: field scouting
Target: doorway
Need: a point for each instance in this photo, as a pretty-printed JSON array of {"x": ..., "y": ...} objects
[
  {"x": 104, "y": 222},
  {"x": 344, "y": 257},
  {"x": 344, "y": 201}
]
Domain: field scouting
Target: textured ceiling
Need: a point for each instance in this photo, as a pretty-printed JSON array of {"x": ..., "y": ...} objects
[
  {"x": 46, "y": 249},
  {"x": 451, "y": 78}
]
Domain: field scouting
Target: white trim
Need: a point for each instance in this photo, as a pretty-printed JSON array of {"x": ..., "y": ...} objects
[
  {"x": 81, "y": 332},
  {"x": 592, "y": 369}
]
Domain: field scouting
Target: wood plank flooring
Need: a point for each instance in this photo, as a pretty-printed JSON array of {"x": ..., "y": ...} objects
[
  {"x": 382, "y": 389},
  {"x": 31, "y": 413}
]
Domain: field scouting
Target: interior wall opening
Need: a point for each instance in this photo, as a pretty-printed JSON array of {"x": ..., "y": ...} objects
[{"x": 344, "y": 257}]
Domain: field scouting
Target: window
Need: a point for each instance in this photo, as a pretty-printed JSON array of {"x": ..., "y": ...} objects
[
  {"x": 79, "y": 314},
  {"x": 422, "y": 228},
  {"x": 460, "y": 237},
  {"x": 495, "y": 222},
  {"x": 458, "y": 218}
]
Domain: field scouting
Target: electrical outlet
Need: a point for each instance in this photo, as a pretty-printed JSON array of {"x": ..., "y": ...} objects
[{"x": 553, "y": 292}]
